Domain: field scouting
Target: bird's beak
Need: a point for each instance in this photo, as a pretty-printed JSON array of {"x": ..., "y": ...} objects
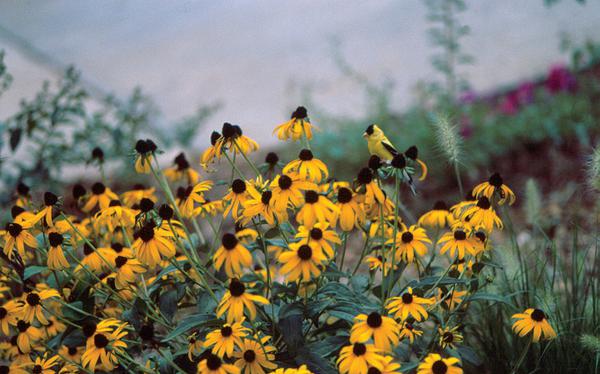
[{"x": 365, "y": 135}]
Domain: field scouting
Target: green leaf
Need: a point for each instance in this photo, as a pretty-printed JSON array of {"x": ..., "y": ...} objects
[
  {"x": 359, "y": 283},
  {"x": 468, "y": 354},
  {"x": 291, "y": 317},
  {"x": 168, "y": 303},
  {"x": 72, "y": 312},
  {"x": 314, "y": 361},
  {"x": 330, "y": 346},
  {"x": 30, "y": 271},
  {"x": 191, "y": 322}
]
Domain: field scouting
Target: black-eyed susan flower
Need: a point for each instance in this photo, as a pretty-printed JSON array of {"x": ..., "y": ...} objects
[
  {"x": 21, "y": 216},
  {"x": 27, "y": 336},
  {"x": 116, "y": 215},
  {"x": 101, "y": 196},
  {"x": 182, "y": 171},
  {"x": 126, "y": 270},
  {"x": 23, "y": 195},
  {"x": 245, "y": 234},
  {"x": 30, "y": 308},
  {"x": 458, "y": 242},
  {"x": 56, "y": 257},
  {"x": 104, "y": 347},
  {"x": 495, "y": 186},
  {"x": 144, "y": 150},
  {"x": 53, "y": 328},
  {"x": 482, "y": 214},
  {"x": 254, "y": 357},
  {"x": 350, "y": 213},
  {"x": 138, "y": 192},
  {"x": 320, "y": 236},
  {"x": 533, "y": 320},
  {"x": 382, "y": 329},
  {"x": 301, "y": 262},
  {"x": 187, "y": 196},
  {"x": 17, "y": 235},
  {"x": 152, "y": 245},
  {"x": 368, "y": 187},
  {"x": 47, "y": 212},
  {"x": 239, "y": 192},
  {"x": 260, "y": 205},
  {"x": 210, "y": 154},
  {"x": 297, "y": 127},
  {"x": 307, "y": 167},
  {"x": 223, "y": 341},
  {"x": 287, "y": 191},
  {"x": 233, "y": 139},
  {"x": 438, "y": 217},
  {"x": 316, "y": 209},
  {"x": 412, "y": 241},
  {"x": 409, "y": 305},
  {"x": 451, "y": 298},
  {"x": 302, "y": 369},
  {"x": 389, "y": 367},
  {"x": 376, "y": 263},
  {"x": 45, "y": 364},
  {"x": 71, "y": 352},
  {"x": 195, "y": 345},
  {"x": 97, "y": 260},
  {"x": 412, "y": 153},
  {"x": 449, "y": 337},
  {"x": 357, "y": 358},
  {"x": 212, "y": 364},
  {"x": 409, "y": 331},
  {"x": 233, "y": 255},
  {"x": 209, "y": 208},
  {"x": 236, "y": 301},
  {"x": 436, "y": 364}
]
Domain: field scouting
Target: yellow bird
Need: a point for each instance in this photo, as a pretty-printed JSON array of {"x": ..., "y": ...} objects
[{"x": 379, "y": 144}]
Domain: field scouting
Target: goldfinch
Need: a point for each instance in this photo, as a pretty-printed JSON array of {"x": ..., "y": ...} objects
[{"x": 379, "y": 144}]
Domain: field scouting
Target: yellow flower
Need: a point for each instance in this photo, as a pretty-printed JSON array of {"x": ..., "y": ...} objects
[
  {"x": 358, "y": 358},
  {"x": 260, "y": 205},
  {"x": 367, "y": 185},
  {"x": 350, "y": 213},
  {"x": 45, "y": 365},
  {"x": 96, "y": 260},
  {"x": 210, "y": 154},
  {"x": 458, "y": 241},
  {"x": 254, "y": 356},
  {"x": 103, "y": 347},
  {"x": 8, "y": 316},
  {"x": 236, "y": 300},
  {"x": 225, "y": 339},
  {"x": 439, "y": 216},
  {"x": 320, "y": 237},
  {"x": 307, "y": 167},
  {"x": 30, "y": 307},
  {"x": 382, "y": 329},
  {"x": 409, "y": 242},
  {"x": 27, "y": 336},
  {"x": 212, "y": 364},
  {"x": 435, "y": 364},
  {"x": 533, "y": 320},
  {"x": 316, "y": 209},
  {"x": 17, "y": 235},
  {"x": 302, "y": 262},
  {"x": 126, "y": 269},
  {"x": 300, "y": 370},
  {"x": 412, "y": 153},
  {"x": 408, "y": 330},
  {"x": 115, "y": 216},
  {"x": 145, "y": 149},
  {"x": 409, "y": 305},
  {"x": 495, "y": 185},
  {"x": 449, "y": 337},
  {"x": 195, "y": 345},
  {"x": 56, "y": 257},
  {"x": 136, "y": 194},
  {"x": 297, "y": 127},
  {"x": 376, "y": 262},
  {"x": 233, "y": 139},
  {"x": 182, "y": 171},
  {"x": 101, "y": 196},
  {"x": 152, "y": 244},
  {"x": 233, "y": 255},
  {"x": 238, "y": 194},
  {"x": 187, "y": 196},
  {"x": 482, "y": 214},
  {"x": 452, "y": 298},
  {"x": 50, "y": 202}
]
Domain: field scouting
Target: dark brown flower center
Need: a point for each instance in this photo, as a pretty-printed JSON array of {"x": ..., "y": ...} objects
[
  {"x": 374, "y": 162},
  {"x": 272, "y": 158},
  {"x": 448, "y": 337},
  {"x": 3, "y": 312},
  {"x": 147, "y": 233},
  {"x": 120, "y": 261},
  {"x": 316, "y": 233},
  {"x": 100, "y": 341},
  {"x": 50, "y": 199},
  {"x": 365, "y": 176},
  {"x": 407, "y": 298},
  {"x": 305, "y": 155},
  {"x": 374, "y": 320},
  {"x": 439, "y": 367},
  {"x": 311, "y": 197},
  {"x": 15, "y": 211},
  {"x": 87, "y": 249},
  {"x": 146, "y": 205},
  {"x": 22, "y": 189},
  {"x": 359, "y": 349},
  {"x": 229, "y": 241},
  {"x": 98, "y": 188},
  {"x": 214, "y": 137},
  {"x": 484, "y": 203},
  {"x": 165, "y": 212},
  {"x": 249, "y": 356},
  {"x": 538, "y": 315},
  {"x": 305, "y": 252},
  {"x": 460, "y": 235},
  {"x": 36, "y": 369},
  {"x": 399, "y": 161},
  {"x": 412, "y": 152},
  {"x": 33, "y": 299},
  {"x": 55, "y": 239},
  {"x": 236, "y": 288},
  {"x": 407, "y": 237},
  {"x": 22, "y": 326},
  {"x": 265, "y": 198},
  {"x": 481, "y": 236},
  {"x": 213, "y": 362},
  {"x": 238, "y": 186},
  {"x": 72, "y": 350},
  {"x": 285, "y": 182},
  {"x": 373, "y": 370},
  {"x": 226, "y": 331},
  {"x": 300, "y": 113},
  {"x": 14, "y": 229},
  {"x": 181, "y": 162},
  {"x": 344, "y": 195},
  {"x": 496, "y": 180},
  {"x": 440, "y": 205}
]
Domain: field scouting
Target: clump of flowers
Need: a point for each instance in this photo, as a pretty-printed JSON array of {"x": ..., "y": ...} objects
[{"x": 280, "y": 268}]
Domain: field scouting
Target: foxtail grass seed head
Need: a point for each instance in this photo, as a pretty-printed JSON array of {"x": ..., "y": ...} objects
[{"x": 448, "y": 139}]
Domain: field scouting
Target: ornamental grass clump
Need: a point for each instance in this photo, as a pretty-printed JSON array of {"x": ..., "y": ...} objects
[{"x": 278, "y": 268}]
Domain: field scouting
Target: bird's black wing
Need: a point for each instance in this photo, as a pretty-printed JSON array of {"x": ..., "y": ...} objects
[{"x": 390, "y": 148}]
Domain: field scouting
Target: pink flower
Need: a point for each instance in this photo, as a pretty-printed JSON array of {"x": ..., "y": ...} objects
[{"x": 560, "y": 79}]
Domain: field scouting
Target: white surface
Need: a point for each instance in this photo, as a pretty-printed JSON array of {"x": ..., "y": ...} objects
[{"x": 254, "y": 55}]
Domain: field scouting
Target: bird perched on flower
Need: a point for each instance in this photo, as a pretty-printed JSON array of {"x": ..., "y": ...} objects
[{"x": 379, "y": 144}]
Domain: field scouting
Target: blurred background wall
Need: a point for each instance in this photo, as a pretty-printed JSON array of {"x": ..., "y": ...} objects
[{"x": 258, "y": 58}]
